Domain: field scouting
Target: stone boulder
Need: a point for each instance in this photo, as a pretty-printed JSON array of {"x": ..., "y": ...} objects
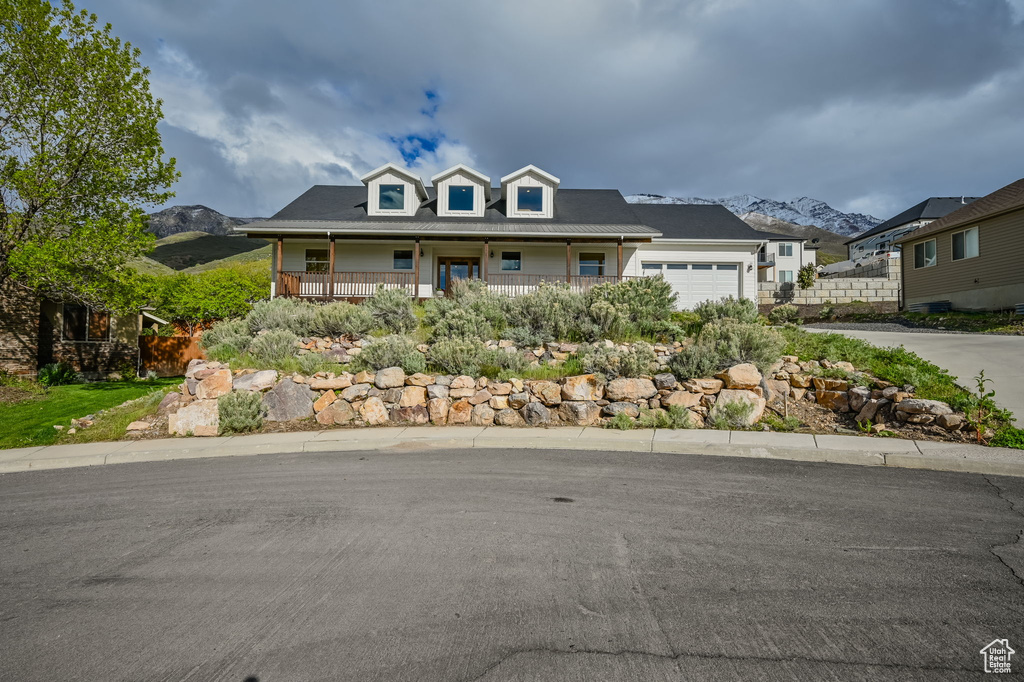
[
  {"x": 480, "y": 397},
  {"x": 705, "y": 386},
  {"x": 743, "y": 376},
  {"x": 169, "y": 403},
  {"x": 579, "y": 412},
  {"x": 829, "y": 384},
  {"x": 419, "y": 379},
  {"x": 257, "y": 381},
  {"x": 355, "y": 392},
  {"x": 389, "y": 377},
  {"x": 324, "y": 401},
  {"x": 584, "y": 387},
  {"x": 214, "y": 385},
  {"x": 548, "y": 392},
  {"x": 287, "y": 401},
  {"x": 800, "y": 381},
  {"x": 463, "y": 381},
  {"x": 630, "y": 389},
  {"x": 363, "y": 378},
  {"x": 869, "y": 410},
  {"x": 498, "y": 402},
  {"x": 481, "y": 415},
  {"x": 413, "y": 396},
  {"x": 437, "y": 410},
  {"x": 777, "y": 388},
  {"x": 728, "y": 396},
  {"x": 612, "y": 409},
  {"x": 682, "y": 399},
  {"x": 414, "y": 414},
  {"x": 336, "y": 384},
  {"x": 518, "y": 400},
  {"x": 196, "y": 418},
  {"x": 338, "y": 412},
  {"x": 664, "y": 381},
  {"x": 373, "y": 412},
  {"x": 921, "y": 406},
  {"x": 837, "y": 401},
  {"x": 499, "y": 388},
  {"x": 435, "y": 391},
  {"x": 950, "y": 422},
  {"x": 535, "y": 414},
  {"x": 508, "y": 417},
  {"x": 859, "y": 396},
  {"x": 460, "y": 412}
]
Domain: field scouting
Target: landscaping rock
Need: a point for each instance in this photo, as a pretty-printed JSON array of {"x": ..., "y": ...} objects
[
  {"x": 287, "y": 401},
  {"x": 443, "y": 380},
  {"x": 585, "y": 387},
  {"x": 437, "y": 391},
  {"x": 373, "y": 412},
  {"x": 463, "y": 392},
  {"x": 508, "y": 417},
  {"x": 355, "y": 392},
  {"x": 518, "y": 400},
  {"x": 324, "y": 401},
  {"x": 390, "y": 396},
  {"x": 798, "y": 393},
  {"x": 188, "y": 387},
  {"x": 837, "y": 401},
  {"x": 390, "y": 377},
  {"x": 728, "y": 396},
  {"x": 890, "y": 391},
  {"x": 868, "y": 410},
  {"x": 666, "y": 380},
  {"x": 194, "y": 366},
  {"x": 336, "y": 384},
  {"x": 535, "y": 414},
  {"x": 463, "y": 382},
  {"x": 169, "y": 403},
  {"x": 499, "y": 388},
  {"x": 413, "y": 396},
  {"x": 579, "y": 412},
  {"x": 419, "y": 379},
  {"x": 921, "y": 406},
  {"x": 548, "y": 392},
  {"x": 845, "y": 366},
  {"x": 743, "y": 376},
  {"x": 363, "y": 378},
  {"x": 859, "y": 396},
  {"x": 480, "y": 397},
  {"x": 828, "y": 384},
  {"x": 612, "y": 409},
  {"x": 337, "y": 355},
  {"x": 415, "y": 414},
  {"x": 460, "y": 412},
  {"x": 338, "y": 412},
  {"x": 481, "y": 415},
  {"x": 950, "y": 422},
  {"x": 257, "y": 381},
  {"x": 214, "y": 385},
  {"x": 630, "y": 389},
  {"x": 498, "y": 402},
  {"x": 437, "y": 410},
  {"x": 799, "y": 381},
  {"x": 705, "y": 386},
  {"x": 138, "y": 426},
  {"x": 198, "y": 414},
  {"x": 681, "y": 399},
  {"x": 915, "y": 418}
]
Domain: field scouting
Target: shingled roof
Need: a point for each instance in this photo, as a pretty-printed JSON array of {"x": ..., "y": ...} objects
[
  {"x": 1003, "y": 200},
  {"x": 931, "y": 208}
]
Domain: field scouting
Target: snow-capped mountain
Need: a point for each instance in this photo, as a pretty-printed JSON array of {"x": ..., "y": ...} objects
[{"x": 802, "y": 211}]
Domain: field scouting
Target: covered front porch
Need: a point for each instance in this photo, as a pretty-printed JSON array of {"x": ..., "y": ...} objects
[{"x": 353, "y": 268}]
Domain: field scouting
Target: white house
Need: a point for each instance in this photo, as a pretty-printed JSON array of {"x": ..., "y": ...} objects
[
  {"x": 781, "y": 258},
  {"x": 344, "y": 242}
]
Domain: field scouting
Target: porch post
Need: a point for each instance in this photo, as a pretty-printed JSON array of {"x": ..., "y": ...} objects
[
  {"x": 416, "y": 269},
  {"x": 330, "y": 272},
  {"x": 619, "y": 258},
  {"x": 568, "y": 261},
  {"x": 483, "y": 260},
  {"x": 280, "y": 259}
]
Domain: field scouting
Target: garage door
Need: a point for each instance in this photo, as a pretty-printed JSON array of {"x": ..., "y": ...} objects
[{"x": 696, "y": 282}]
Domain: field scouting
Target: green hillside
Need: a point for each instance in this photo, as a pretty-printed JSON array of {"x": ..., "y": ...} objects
[
  {"x": 261, "y": 254},
  {"x": 189, "y": 249}
]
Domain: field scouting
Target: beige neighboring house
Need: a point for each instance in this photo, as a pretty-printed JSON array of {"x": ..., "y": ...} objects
[{"x": 971, "y": 258}]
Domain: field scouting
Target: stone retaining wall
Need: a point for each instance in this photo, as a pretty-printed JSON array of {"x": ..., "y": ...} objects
[{"x": 882, "y": 294}]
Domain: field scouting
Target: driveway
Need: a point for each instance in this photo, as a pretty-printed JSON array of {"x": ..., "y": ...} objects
[
  {"x": 964, "y": 356},
  {"x": 505, "y": 565}
]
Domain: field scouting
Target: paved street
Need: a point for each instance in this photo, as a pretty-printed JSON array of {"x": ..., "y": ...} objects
[
  {"x": 964, "y": 356},
  {"x": 455, "y": 564}
]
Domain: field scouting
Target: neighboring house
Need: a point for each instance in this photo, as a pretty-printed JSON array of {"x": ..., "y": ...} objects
[
  {"x": 782, "y": 257},
  {"x": 36, "y": 332},
  {"x": 344, "y": 242},
  {"x": 882, "y": 238},
  {"x": 972, "y": 257}
]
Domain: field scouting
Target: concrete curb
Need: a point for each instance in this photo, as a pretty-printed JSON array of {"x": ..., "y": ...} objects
[{"x": 799, "y": 447}]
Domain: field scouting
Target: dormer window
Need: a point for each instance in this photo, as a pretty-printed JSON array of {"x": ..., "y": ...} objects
[
  {"x": 460, "y": 198},
  {"x": 392, "y": 198},
  {"x": 531, "y": 199}
]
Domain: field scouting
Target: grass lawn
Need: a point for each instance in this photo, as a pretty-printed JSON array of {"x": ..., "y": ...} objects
[{"x": 30, "y": 422}]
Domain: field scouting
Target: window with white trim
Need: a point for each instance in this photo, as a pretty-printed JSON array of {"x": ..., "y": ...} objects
[
  {"x": 785, "y": 248},
  {"x": 530, "y": 199},
  {"x": 592, "y": 264},
  {"x": 965, "y": 244},
  {"x": 460, "y": 197},
  {"x": 924, "y": 254},
  {"x": 511, "y": 261},
  {"x": 391, "y": 198},
  {"x": 402, "y": 260},
  {"x": 785, "y": 275},
  {"x": 317, "y": 260}
]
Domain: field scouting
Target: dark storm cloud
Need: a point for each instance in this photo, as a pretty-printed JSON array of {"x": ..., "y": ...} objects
[{"x": 870, "y": 105}]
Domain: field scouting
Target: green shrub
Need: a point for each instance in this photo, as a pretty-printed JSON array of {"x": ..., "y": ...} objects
[
  {"x": 783, "y": 314},
  {"x": 724, "y": 344},
  {"x": 233, "y": 332},
  {"x": 462, "y": 323},
  {"x": 58, "y": 374},
  {"x": 680, "y": 417},
  {"x": 607, "y": 318},
  {"x": 460, "y": 356},
  {"x": 274, "y": 346},
  {"x": 827, "y": 310},
  {"x": 776, "y": 423},
  {"x": 1008, "y": 437},
  {"x": 498, "y": 363},
  {"x": 391, "y": 310},
  {"x": 240, "y": 411},
  {"x": 339, "y": 318},
  {"x": 224, "y": 352},
  {"x": 523, "y": 337},
  {"x": 311, "y": 363},
  {"x": 621, "y": 421},
  {"x": 552, "y": 312},
  {"x": 732, "y": 415},
  {"x": 806, "y": 275},
  {"x": 639, "y": 360},
  {"x": 641, "y": 303},
  {"x": 695, "y": 361},
  {"x": 741, "y": 310},
  {"x": 281, "y": 314},
  {"x": 391, "y": 351},
  {"x": 653, "y": 419}
]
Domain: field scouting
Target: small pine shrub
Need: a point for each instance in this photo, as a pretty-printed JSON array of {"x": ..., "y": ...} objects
[
  {"x": 621, "y": 421},
  {"x": 391, "y": 351},
  {"x": 274, "y": 346},
  {"x": 732, "y": 415},
  {"x": 339, "y": 318},
  {"x": 240, "y": 411},
  {"x": 58, "y": 374},
  {"x": 391, "y": 310},
  {"x": 233, "y": 332},
  {"x": 784, "y": 314},
  {"x": 741, "y": 310},
  {"x": 806, "y": 275},
  {"x": 281, "y": 314},
  {"x": 460, "y": 356}
]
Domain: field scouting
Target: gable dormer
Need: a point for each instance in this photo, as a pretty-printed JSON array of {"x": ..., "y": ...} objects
[
  {"x": 393, "y": 191},
  {"x": 529, "y": 193},
  {"x": 461, "y": 191}
]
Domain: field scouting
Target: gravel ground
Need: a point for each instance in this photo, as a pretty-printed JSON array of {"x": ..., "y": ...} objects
[{"x": 883, "y": 327}]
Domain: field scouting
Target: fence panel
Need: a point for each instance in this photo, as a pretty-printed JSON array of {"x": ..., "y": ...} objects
[{"x": 168, "y": 356}]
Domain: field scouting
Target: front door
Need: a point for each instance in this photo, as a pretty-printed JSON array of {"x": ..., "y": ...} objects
[{"x": 452, "y": 268}]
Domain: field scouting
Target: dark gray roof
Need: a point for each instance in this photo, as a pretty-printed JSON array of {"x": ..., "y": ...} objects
[
  {"x": 697, "y": 221},
  {"x": 932, "y": 208}
]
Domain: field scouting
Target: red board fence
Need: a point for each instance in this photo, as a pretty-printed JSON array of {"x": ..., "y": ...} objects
[{"x": 168, "y": 356}]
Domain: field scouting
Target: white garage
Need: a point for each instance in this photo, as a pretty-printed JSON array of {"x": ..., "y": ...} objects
[{"x": 697, "y": 282}]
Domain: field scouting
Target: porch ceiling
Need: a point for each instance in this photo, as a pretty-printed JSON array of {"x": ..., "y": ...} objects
[{"x": 433, "y": 230}]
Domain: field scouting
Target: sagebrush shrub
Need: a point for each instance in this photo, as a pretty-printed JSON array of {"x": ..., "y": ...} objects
[
  {"x": 732, "y": 415},
  {"x": 339, "y": 318},
  {"x": 233, "y": 332},
  {"x": 287, "y": 314},
  {"x": 552, "y": 312},
  {"x": 225, "y": 351},
  {"x": 311, "y": 363},
  {"x": 274, "y": 346},
  {"x": 462, "y": 323},
  {"x": 523, "y": 337},
  {"x": 641, "y": 301},
  {"x": 784, "y": 314},
  {"x": 391, "y": 351},
  {"x": 240, "y": 411},
  {"x": 391, "y": 309},
  {"x": 613, "y": 362},
  {"x": 460, "y": 356},
  {"x": 607, "y": 318},
  {"x": 741, "y": 310},
  {"x": 724, "y": 344}
]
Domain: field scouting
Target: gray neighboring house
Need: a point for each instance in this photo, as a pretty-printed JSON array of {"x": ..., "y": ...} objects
[{"x": 884, "y": 236}]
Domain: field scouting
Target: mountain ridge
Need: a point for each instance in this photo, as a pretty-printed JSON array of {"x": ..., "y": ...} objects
[{"x": 194, "y": 218}]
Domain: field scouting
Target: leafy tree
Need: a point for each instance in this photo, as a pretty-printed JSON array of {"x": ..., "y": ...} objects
[
  {"x": 218, "y": 294},
  {"x": 806, "y": 275},
  {"x": 79, "y": 153}
]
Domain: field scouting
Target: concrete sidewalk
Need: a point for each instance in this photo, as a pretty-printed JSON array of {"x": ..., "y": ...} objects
[{"x": 759, "y": 444}]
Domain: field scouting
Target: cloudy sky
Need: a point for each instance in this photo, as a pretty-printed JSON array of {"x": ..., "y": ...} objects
[{"x": 869, "y": 105}]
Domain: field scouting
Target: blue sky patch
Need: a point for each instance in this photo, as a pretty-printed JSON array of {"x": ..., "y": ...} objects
[{"x": 412, "y": 147}]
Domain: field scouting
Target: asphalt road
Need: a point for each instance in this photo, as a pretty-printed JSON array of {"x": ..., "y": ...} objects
[
  {"x": 505, "y": 565},
  {"x": 964, "y": 356}
]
